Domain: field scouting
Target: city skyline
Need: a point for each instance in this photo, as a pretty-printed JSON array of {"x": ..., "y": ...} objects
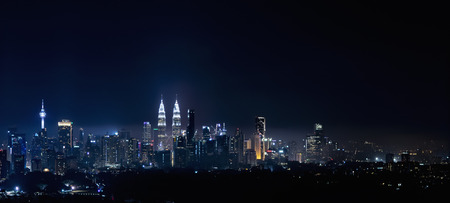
[
  {"x": 168, "y": 129},
  {"x": 217, "y": 101}
]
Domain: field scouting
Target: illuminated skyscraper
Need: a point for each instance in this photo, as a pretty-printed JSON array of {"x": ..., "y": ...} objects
[
  {"x": 315, "y": 145},
  {"x": 180, "y": 154},
  {"x": 176, "y": 120},
  {"x": 164, "y": 142},
  {"x": 147, "y": 136},
  {"x": 17, "y": 149},
  {"x": 237, "y": 149},
  {"x": 147, "y": 144},
  {"x": 65, "y": 137},
  {"x": 42, "y": 114},
  {"x": 260, "y": 124},
  {"x": 39, "y": 142}
]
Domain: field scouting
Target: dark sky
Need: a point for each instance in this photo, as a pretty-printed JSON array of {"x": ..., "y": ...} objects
[{"x": 363, "y": 70}]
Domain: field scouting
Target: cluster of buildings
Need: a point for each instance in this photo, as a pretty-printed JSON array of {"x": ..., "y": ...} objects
[{"x": 213, "y": 147}]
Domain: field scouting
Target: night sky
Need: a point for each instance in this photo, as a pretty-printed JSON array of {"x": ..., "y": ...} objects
[{"x": 365, "y": 71}]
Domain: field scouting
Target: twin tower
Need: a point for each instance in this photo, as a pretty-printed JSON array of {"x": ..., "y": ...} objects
[{"x": 162, "y": 140}]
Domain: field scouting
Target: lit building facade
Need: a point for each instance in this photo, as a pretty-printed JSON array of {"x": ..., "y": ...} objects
[
  {"x": 260, "y": 148},
  {"x": 147, "y": 144},
  {"x": 65, "y": 137},
  {"x": 164, "y": 142},
  {"x": 315, "y": 145},
  {"x": 176, "y": 120},
  {"x": 147, "y": 136}
]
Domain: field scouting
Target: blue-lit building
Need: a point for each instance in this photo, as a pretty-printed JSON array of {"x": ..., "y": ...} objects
[{"x": 17, "y": 147}]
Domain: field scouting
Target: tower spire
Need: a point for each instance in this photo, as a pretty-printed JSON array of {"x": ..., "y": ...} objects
[
  {"x": 163, "y": 141},
  {"x": 42, "y": 114},
  {"x": 176, "y": 119}
]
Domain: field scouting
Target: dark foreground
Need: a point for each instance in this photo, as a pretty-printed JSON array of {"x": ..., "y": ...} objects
[{"x": 358, "y": 183}]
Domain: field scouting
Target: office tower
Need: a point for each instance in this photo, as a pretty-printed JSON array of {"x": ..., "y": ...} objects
[
  {"x": 190, "y": 127},
  {"x": 110, "y": 150},
  {"x": 314, "y": 145},
  {"x": 260, "y": 125},
  {"x": 256, "y": 145},
  {"x": 239, "y": 145},
  {"x": 204, "y": 149},
  {"x": 146, "y": 144},
  {"x": 17, "y": 150},
  {"x": 132, "y": 152},
  {"x": 181, "y": 154},
  {"x": 147, "y": 136},
  {"x": 190, "y": 142},
  {"x": 176, "y": 120},
  {"x": 122, "y": 150},
  {"x": 36, "y": 148},
  {"x": 164, "y": 142},
  {"x": 222, "y": 145},
  {"x": 65, "y": 137},
  {"x": 42, "y": 114},
  {"x": 81, "y": 139}
]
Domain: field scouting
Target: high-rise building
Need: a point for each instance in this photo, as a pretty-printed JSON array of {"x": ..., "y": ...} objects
[
  {"x": 238, "y": 145},
  {"x": 190, "y": 132},
  {"x": 110, "y": 150},
  {"x": 17, "y": 147},
  {"x": 181, "y": 154},
  {"x": 132, "y": 152},
  {"x": 164, "y": 142},
  {"x": 315, "y": 144},
  {"x": 65, "y": 137},
  {"x": 80, "y": 142},
  {"x": 147, "y": 144},
  {"x": 260, "y": 125},
  {"x": 256, "y": 145},
  {"x": 190, "y": 142},
  {"x": 222, "y": 145},
  {"x": 176, "y": 120},
  {"x": 147, "y": 136}
]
